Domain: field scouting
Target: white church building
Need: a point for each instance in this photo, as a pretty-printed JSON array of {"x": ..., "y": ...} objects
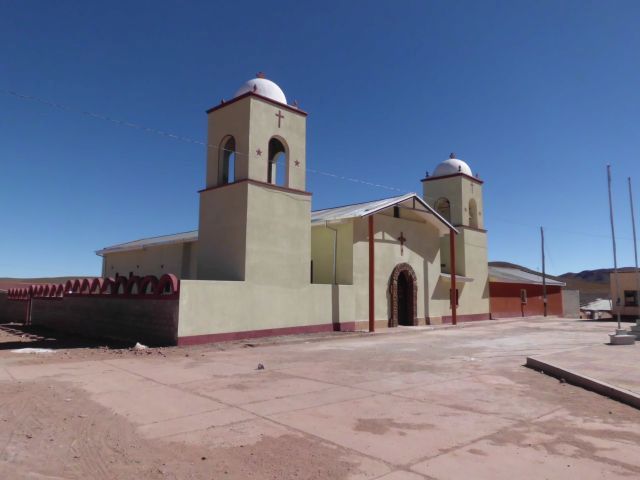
[{"x": 263, "y": 263}]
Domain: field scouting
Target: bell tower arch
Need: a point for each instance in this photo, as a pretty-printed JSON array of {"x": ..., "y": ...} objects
[{"x": 255, "y": 211}]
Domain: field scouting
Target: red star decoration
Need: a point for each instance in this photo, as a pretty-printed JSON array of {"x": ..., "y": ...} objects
[
  {"x": 297, "y": 163},
  {"x": 258, "y": 152}
]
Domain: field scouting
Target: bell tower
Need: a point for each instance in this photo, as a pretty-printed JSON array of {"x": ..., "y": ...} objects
[
  {"x": 255, "y": 213},
  {"x": 456, "y": 194}
]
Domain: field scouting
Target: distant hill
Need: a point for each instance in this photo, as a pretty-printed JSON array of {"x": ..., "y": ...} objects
[{"x": 592, "y": 284}]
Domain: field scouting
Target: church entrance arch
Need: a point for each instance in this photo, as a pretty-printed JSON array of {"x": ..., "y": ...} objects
[{"x": 403, "y": 289}]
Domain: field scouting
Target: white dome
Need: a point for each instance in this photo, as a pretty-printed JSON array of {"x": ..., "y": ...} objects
[
  {"x": 452, "y": 166},
  {"x": 264, "y": 87}
]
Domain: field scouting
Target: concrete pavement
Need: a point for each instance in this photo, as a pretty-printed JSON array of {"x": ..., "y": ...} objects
[{"x": 412, "y": 403}]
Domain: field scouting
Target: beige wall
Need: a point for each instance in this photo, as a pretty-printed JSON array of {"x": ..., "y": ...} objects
[
  {"x": 230, "y": 120},
  {"x": 211, "y": 307},
  {"x": 459, "y": 190},
  {"x": 278, "y": 237},
  {"x": 627, "y": 281},
  {"x": 322, "y": 251},
  {"x": 222, "y": 232},
  {"x": 177, "y": 258},
  {"x": 252, "y": 122},
  {"x": 420, "y": 251},
  {"x": 292, "y": 132}
]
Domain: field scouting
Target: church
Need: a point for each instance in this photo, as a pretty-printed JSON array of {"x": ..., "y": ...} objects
[{"x": 262, "y": 262}]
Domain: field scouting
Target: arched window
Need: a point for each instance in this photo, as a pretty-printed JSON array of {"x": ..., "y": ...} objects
[
  {"x": 226, "y": 169},
  {"x": 473, "y": 213},
  {"x": 443, "y": 207},
  {"x": 278, "y": 166}
]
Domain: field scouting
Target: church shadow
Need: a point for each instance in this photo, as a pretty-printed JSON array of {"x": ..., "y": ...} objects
[{"x": 14, "y": 336}]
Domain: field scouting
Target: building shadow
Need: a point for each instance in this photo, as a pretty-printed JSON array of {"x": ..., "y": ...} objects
[{"x": 17, "y": 335}]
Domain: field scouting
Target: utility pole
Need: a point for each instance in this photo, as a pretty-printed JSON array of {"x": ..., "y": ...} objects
[
  {"x": 615, "y": 258},
  {"x": 544, "y": 277},
  {"x": 635, "y": 249}
]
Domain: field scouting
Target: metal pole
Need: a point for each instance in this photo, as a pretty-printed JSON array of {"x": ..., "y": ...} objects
[
  {"x": 454, "y": 297},
  {"x": 372, "y": 321},
  {"x": 635, "y": 248},
  {"x": 544, "y": 277},
  {"x": 613, "y": 239}
]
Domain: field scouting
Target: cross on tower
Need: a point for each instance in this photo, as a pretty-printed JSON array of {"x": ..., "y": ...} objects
[
  {"x": 401, "y": 239},
  {"x": 280, "y": 117}
]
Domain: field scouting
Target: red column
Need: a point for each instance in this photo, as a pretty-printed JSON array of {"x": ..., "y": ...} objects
[
  {"x": 372, "y": 321},
  {"x": 452, "y": 248}
]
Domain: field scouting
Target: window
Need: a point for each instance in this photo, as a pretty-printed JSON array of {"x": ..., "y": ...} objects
[
  {"x": 630, "y": 298},
  {"x": 523, "y": 296},
  {"x": 277, "y": 168},
  {"x": 226, "y": 167},
  {"x": 443, "y": 207}
]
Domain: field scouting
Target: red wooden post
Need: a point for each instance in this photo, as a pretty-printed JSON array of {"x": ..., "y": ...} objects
[
  {"x": 372, "y": 322},
  {"x": 454, "y": 299}
]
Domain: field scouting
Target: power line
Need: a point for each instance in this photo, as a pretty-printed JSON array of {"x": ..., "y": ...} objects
[{"x": 182, "y": 138}]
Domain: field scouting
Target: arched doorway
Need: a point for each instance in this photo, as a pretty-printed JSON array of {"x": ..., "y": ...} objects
[{"x": 403, "y": 289}]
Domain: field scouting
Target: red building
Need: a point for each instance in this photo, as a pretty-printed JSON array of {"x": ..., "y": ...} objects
[{"x": 517, "y": 293}]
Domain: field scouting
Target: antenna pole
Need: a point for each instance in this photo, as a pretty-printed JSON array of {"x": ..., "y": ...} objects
[
  {"x": 635, "y": 246},
  {"x": 613, "y": 239},
  {"x": 544, "y": 277}
]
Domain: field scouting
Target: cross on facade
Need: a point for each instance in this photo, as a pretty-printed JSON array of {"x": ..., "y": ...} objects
[
  {"x": 280, "y": 117},
  {"x": 401, "y": 239}
]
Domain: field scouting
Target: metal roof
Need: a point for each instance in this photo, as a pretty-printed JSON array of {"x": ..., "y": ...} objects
[
  {"x": 410, "y": 200},
  {"x": 514, "y": 275},
  {"x": 183, "y": 237},
  {"x": 599, "y": 304}
]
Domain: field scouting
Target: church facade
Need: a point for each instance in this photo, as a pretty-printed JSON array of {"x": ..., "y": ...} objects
[{"x": 263, "y": 263}]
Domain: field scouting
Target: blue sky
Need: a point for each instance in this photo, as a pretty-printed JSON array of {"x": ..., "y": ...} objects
[{"x": 536, "y": 96}]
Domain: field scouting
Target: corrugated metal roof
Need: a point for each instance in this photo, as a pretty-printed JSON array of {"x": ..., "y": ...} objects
[
  {"x": 368, "y": 208},
  {"x": 600, "y": 304},
  {"x": 514, "y": 275},
  {"x": 318, "y": 217},
  {"x": 152, "y": 241}
]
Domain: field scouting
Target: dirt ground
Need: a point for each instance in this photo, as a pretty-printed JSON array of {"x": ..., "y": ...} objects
[{"x": 410, "y": 404}]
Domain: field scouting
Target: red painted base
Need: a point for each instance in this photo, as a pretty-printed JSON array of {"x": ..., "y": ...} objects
[{"x": 271, "y": 332}]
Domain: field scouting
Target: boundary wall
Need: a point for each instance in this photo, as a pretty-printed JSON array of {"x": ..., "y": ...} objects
[{"x": 131, "y": 309}]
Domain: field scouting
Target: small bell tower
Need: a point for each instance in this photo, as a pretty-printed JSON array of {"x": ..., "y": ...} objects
[
  {"x": 255, "y": 212},
  {"x": 456, "y": 194}
]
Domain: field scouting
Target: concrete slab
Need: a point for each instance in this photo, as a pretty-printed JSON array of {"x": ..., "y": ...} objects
[
  {"x": 165, "y": 371},
  {"x": 394, "y": 429},
  {"x": 402, "y": 475},
  {"x": 260, "y": 385},
  {"x": 189, "y": 423},
  {"x": 490, "y": 394},
  {"x": 305, "y": 400},
  {"x": 479, "y": 461},
  {"x": 254, "y": 432},
  {"x": 154, "y": 403},
  {"x": 4, "y": 375},
  {"x": 62, "y": 370},
  {"x": 607, "y": 370}
]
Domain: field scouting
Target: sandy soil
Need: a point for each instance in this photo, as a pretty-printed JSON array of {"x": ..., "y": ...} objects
[{"x": 52, "y": 430}]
